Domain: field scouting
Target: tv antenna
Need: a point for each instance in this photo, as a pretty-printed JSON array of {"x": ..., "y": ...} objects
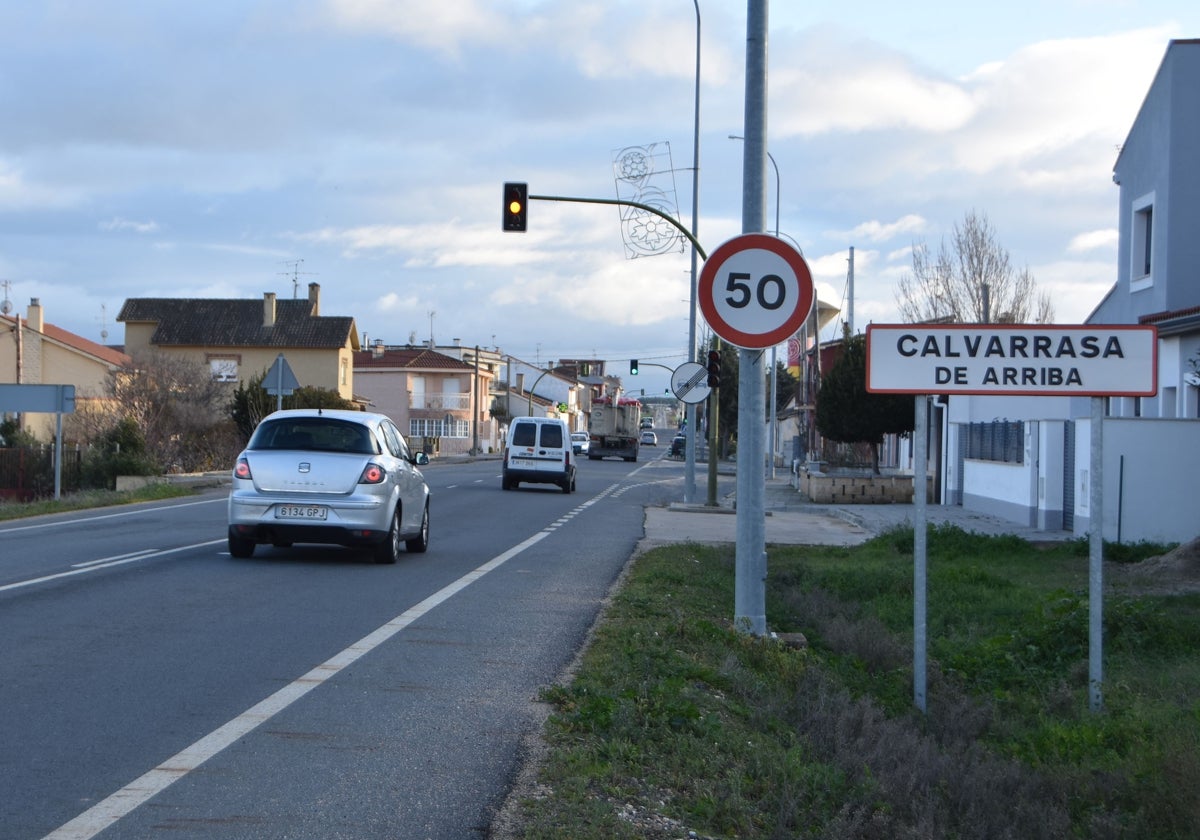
[
  {"x": 295, "y": 275},
  {"x": 6, "y": 305},
  {"x": 103, "y": 322}
]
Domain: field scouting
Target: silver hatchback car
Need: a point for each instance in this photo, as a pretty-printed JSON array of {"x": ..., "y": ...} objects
[{"x": 329, "y": 476}]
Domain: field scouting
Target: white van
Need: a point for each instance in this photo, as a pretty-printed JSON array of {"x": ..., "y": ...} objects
[{"x": 538, "y": 451}]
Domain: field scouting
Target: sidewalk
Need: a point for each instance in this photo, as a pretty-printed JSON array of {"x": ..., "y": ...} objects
[{"x": 792, "y": 520}]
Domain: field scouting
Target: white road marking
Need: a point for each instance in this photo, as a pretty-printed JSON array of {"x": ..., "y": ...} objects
[
  {"x": 108, "y": 811},
  {"x": 59, "y": 523},
  {"x": 95, "y": 565}
]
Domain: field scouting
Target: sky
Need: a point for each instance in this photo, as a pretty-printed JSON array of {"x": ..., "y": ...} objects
[{"x": 235, "y": 147}]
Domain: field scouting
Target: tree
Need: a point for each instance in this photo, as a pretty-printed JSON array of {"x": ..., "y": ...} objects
[
  {"x": 251, "y": 403},
  {"x": 970, "y": 281},
  {"x": 847, "y": 413},
  {"x": 179, "y": 408},
  {"x": 785, "y": 386}
]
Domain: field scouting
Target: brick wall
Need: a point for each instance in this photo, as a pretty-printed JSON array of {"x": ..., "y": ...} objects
[{"x": 860, "y": 490}]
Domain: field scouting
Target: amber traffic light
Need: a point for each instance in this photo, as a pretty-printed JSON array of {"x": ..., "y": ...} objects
[{"x": 515, "y": 213}]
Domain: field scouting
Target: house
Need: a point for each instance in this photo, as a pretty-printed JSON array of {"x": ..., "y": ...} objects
[
  {"x": 1028, "y": 459},
  {"x": 439, "y": 401},
  {"x": 240, "y": 339},
  {"x": 526, "y": 390},
  {"x": 34, "y": 352}
]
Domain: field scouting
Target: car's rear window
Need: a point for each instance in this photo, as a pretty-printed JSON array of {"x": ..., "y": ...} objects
[
  {"x": 316, "y": 434},
  {"x": 552, "y": 436},
  {"x": 524, "y": 434}
]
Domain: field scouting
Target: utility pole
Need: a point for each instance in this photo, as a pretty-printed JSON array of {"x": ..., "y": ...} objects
[{"x": 750, "y": 560}]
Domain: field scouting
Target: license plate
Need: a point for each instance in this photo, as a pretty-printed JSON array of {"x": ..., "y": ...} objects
[
  {"x": 526, "y": 463},
  {"x": 301, "y": 511}
]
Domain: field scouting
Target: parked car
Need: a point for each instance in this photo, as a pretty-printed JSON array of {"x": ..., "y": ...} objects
[
  {"x": 678, "y": 446},
  {"x": 649, "y": 438},
  {"x": 579, "y": 442},
  {"x": 538, "y": 451},
  {"x": 329, "y": 476}
]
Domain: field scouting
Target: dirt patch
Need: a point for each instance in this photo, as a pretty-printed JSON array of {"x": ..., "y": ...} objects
[{"x": 1175, "y": 573}]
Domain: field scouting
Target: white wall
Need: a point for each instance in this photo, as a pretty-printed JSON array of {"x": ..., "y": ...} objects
[{"x": 1152, "y": 494}]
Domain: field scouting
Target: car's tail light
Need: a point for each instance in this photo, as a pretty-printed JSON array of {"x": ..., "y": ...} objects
[
  {"x": 372, "y": 474},
  {"x": 242, "y": 469}
]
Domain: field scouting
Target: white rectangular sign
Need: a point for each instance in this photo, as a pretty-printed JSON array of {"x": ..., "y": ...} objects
[{"x": 1029, "y": 359}]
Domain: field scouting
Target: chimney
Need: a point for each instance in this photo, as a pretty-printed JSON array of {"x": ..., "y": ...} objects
[
  {"x": 33, "y": 315},
  {"x": 314, "y": 297},
  {"x": 268, "y": 309},
  {"x": 377, "y": 349}
]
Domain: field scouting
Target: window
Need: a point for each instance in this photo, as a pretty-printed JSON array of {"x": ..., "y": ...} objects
[
  {"x": 456, "y": 428},
  {"x": 1141, "y": 242},
  {"x": 552, "y": 436},
  {"x": 997, "y": 441},
  {"x": 223, "y": 368}
]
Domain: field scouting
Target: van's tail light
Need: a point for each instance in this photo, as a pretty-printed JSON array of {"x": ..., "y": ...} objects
[
  {"x": 242, "y": 469},
  {"x": 372, "y": 474}
]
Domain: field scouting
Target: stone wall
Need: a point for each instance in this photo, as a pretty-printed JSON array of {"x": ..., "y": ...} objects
[{"x": 860, "y": 490}]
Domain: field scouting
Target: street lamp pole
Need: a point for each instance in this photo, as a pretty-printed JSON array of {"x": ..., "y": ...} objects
[
  {"x": 774, "y": 407},
  {"x": 689, "y": 459}
]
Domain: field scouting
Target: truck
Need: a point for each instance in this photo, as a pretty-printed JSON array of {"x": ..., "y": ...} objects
[{"x": 613, "y": 429}]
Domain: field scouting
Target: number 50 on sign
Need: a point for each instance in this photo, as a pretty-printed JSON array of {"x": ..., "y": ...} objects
[{"x": 755, "y": 291}]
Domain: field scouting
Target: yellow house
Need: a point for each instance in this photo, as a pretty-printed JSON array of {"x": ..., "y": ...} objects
[
  {"x": 33, "y": 352},
  {"x": 240, "y": 339}
]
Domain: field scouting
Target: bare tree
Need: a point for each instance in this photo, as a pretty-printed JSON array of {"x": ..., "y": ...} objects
[
  {"x": 179, "y": 407},
  {"x": 970, "y": 281}
]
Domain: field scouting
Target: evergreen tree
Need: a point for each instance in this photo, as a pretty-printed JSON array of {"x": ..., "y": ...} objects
[{"x": 847, "y": 413}]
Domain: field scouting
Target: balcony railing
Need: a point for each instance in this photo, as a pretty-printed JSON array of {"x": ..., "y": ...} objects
[{"x": 440, "y": 402}]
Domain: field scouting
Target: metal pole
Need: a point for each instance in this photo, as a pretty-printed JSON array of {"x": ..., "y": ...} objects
[
  {"x": 750, "y": 558},
  {"x": 1095, "y": 560},
  {"x": 850, "y": 293},
  {"x": 475, "y": 412},
  {"x": 279, "y": 385},
  {"x": 920, "y": 535},
  {"x": 689, "y": 458}
]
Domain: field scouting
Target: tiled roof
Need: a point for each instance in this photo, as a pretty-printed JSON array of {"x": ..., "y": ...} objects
[
  {"x": 409, "y": 357},
  {"x": 1159, "y": 317},
  {"x": 198, "y": 322},
  {"x": 80, "y": 344}
]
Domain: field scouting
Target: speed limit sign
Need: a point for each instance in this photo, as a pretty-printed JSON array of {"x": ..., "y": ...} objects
[{"x": 755, "y": 291}]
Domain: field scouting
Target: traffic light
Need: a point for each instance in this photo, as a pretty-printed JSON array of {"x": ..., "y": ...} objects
[
  {"x": 633, "y": 367},
  {"x": 714, "y": 369},
  {"x": 515, "y": 213}
]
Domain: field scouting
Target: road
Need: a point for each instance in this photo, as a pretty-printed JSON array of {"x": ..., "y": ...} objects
[{"x": 154, "y": 686}]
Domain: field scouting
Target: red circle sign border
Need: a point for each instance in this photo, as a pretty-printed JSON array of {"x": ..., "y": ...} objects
[{"x": 750, "y": 242}]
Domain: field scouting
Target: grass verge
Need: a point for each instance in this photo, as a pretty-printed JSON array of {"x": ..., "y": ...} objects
[
  {"x": 674, "y": 723},
  {"x": 93, "y": 499}
]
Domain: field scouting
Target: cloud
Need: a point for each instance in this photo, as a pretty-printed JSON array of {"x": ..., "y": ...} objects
[
  {"x": 876, "y": 231},
  {"x": 445, "y": 25},
  {"x": 1093, "y": 240},
  {"x": 829, "y": 81},
  {"x": 118, "y": 224}
]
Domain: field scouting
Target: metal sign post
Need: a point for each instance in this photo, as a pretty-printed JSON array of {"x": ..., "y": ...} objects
[
  {"x": 43, "y": 399},
  {"x": 1012, "y": 359},
  {"x": 755, "y": 291}
]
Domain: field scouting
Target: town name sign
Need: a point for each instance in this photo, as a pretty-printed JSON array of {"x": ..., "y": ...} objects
[{"x": 1042, "y": 360}]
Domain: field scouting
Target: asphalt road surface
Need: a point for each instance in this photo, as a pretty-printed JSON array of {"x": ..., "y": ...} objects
[{"x": 151, "y": 685}]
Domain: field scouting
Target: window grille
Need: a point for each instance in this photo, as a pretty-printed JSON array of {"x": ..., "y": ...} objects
[{"x": 1000, "y": 440}]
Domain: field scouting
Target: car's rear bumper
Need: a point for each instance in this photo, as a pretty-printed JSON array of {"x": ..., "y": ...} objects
[
  {"x": 359, "y": 520},
  {"x": 538, "y": 476}
]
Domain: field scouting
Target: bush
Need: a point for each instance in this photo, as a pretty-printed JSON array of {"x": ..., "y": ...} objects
[{"x": 120, "y": 451}]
